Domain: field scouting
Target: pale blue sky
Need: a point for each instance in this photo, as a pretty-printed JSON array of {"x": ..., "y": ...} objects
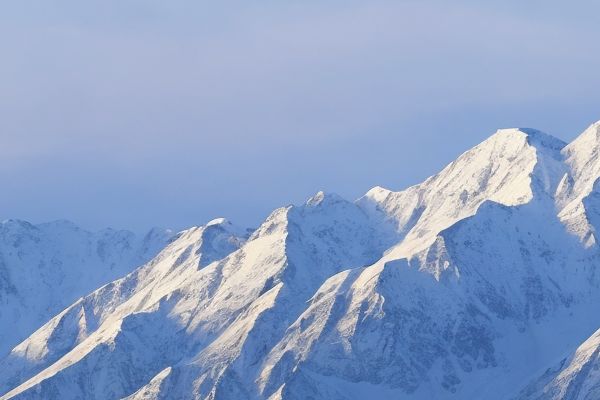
[{"x": 146, "y": 112}]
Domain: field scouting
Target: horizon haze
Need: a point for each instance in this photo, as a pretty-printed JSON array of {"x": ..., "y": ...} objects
[{"x": 141, "y": 113}]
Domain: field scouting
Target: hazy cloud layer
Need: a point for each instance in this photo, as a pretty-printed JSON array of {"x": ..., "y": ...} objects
[{"x": 139, "y": 113}]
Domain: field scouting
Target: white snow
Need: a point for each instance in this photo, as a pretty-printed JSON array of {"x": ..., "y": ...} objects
[{"x": 46, "y": 267}]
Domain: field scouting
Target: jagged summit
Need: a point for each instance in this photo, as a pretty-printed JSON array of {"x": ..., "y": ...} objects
[
  {"x": 16, "y": 223},
  {"x": 505, "y": 142},
  {"x": 534, "y": 136},
  {"x": 511, "y": 167},
  {"x": 591, "y": 135},
  {"x": 322, "y": 198}
]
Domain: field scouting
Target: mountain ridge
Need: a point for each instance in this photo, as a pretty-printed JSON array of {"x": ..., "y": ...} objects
[{"x": 429, "y": 292}]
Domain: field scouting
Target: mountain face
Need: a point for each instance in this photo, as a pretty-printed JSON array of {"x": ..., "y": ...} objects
[
  {"x": 574, "y": 377},
  {"x": 45, "y": 267},
  {"x": 480, "y": 282}
]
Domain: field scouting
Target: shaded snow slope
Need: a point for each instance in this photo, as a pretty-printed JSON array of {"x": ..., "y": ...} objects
[{"x": 45, "y": 267}]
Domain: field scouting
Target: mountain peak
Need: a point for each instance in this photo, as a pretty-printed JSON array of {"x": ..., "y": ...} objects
[
  {"x": 17, "y": 223},
  {"x": 323, "y": 198},
  {"x": 375, "y": 195},
  {"x": 588, "y": 141},
  {"x": 534, "y": 137},
  {"x": 218, "y": 221}
]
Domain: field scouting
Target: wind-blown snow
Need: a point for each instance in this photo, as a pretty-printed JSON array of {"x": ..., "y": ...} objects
[{"x": 468, "y": 285}]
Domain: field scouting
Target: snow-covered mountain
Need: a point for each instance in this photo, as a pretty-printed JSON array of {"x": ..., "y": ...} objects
[
  {"x": 46, "y": 267},
  {"x": 479, "y": 283}
]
